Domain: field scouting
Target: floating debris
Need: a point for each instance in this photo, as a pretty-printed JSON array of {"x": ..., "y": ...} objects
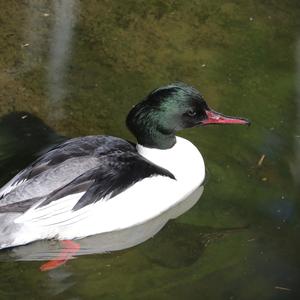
[
  {"x": 282, "y": 288},
  {"x": 261, "y": 160}
]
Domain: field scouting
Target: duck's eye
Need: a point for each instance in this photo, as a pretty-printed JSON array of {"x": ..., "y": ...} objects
[{"x": 191, "y": 113}]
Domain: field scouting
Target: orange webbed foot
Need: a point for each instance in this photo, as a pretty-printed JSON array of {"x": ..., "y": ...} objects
[{"x": 69, "y": 248}]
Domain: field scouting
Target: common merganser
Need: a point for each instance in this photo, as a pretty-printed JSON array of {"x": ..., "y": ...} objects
[{"x": 105, "y": 185}]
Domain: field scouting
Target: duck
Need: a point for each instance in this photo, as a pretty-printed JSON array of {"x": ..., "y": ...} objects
[{"x": 105, "y": 186}]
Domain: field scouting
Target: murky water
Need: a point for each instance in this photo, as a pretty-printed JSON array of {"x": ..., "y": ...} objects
[{"x": 71, "y": 68}]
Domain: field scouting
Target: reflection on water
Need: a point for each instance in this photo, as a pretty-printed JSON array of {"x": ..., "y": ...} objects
[
  {"x": 60, "y": 53},
  {"x": 70, "y": 68}
]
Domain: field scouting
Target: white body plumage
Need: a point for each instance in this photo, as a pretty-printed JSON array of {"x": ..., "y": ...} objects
[{"x": 144, "y": 207}]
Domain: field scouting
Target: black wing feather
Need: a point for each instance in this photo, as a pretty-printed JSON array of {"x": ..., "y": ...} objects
[
  {"x": 96, "y": 146},
  {"x": 118, "y": 172}
]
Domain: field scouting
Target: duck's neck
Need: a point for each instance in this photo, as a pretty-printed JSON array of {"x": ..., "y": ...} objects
[
  {"x": 158, "y": 140},
  {"x": 149, "y": 128}
]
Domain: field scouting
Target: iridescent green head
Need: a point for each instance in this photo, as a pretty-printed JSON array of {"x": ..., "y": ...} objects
[{"x": 155, "y": 120}]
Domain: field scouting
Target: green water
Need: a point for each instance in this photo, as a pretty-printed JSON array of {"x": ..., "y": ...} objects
[{"x": 78, "y": 66}]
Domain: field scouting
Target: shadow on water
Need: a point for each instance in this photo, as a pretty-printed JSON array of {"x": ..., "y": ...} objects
[
  {"x": 23, "y": 137},
  {"x": 180, "y": 245}
]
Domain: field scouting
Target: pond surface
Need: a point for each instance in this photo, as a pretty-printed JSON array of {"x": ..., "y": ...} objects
[{"x": 72, "y": 68}]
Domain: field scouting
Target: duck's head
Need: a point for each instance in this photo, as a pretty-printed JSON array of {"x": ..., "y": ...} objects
[{"x": 155, "y": 120}]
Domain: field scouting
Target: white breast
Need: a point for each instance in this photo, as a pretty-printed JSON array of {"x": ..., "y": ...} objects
[{"x": 183, "y": 160}]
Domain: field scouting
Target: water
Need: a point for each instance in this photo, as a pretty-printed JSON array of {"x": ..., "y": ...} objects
[{"x": 76, "y": 69}]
